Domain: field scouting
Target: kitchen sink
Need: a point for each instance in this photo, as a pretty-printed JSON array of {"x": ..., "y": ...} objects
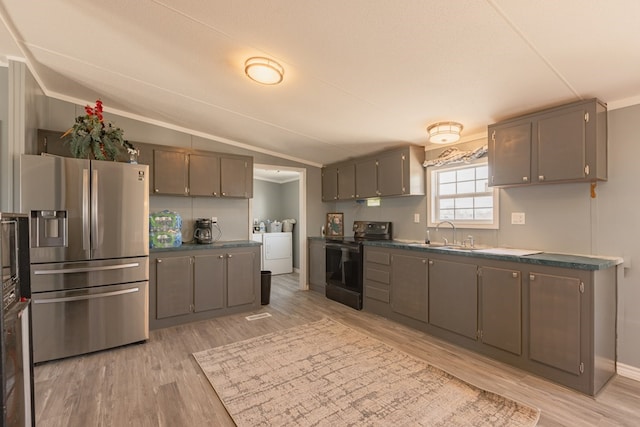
[{"x": 447, "y": 247}]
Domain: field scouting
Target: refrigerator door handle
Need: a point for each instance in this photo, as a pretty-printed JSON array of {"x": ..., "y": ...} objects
[
  {"x": 94, "y": 210},
  {"x": 87, "y": 269},
  {"x": 85, "y": 297},
  {"x": 86, "y": 243}
]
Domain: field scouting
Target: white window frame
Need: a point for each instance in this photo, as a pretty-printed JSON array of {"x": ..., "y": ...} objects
[{"x": 433, "y": 198}]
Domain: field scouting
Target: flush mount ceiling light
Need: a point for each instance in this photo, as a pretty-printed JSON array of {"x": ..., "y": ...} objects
[
  {"x": 444, "y": 132},
  {"x": 263, "y": 70}
]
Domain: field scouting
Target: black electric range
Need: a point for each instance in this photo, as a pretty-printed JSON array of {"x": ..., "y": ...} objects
[{"x": 345, "y": 260}]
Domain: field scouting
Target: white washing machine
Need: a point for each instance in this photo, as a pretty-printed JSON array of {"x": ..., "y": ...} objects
[{"x": 276, "y": 252}]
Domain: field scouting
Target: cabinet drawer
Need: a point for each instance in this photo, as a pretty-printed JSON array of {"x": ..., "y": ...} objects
[
  {"x": 377, "y": 293},
  {"x": 377, "y": 275},
  {"x": 383, "y": 258}
]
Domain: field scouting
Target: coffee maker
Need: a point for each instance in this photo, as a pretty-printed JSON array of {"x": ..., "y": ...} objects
[{"x": 203, "y": 232}]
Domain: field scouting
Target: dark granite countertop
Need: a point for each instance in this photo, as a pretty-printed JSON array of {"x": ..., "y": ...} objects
[
  {"x": 577, "y": 262},
  {"x": 216, "y": 245}
]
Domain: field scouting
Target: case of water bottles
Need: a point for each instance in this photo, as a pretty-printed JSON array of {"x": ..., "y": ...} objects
[{"x": 165, "y": 229}]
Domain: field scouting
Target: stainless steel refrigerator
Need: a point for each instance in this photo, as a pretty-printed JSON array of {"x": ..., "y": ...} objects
[{"x": 89, "y": 223}]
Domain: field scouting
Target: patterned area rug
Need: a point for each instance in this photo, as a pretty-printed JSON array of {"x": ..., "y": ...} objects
[{"x": 325, "y": 373}]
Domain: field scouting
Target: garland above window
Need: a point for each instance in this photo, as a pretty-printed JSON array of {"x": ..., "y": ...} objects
[{"x": 455, "y": 155}]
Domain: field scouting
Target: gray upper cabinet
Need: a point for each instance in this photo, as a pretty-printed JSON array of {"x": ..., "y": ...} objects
[
  {"x": 510, "y": 153},
  {"x": 453, "y": 297},
  {"x": 339, "y": 182},
  {"x": 347, "y": 182},
  {"x": 561, "y": 144},
  {"x": 367, "y": 178},
  {"x": 204, "y": 175},
  {"x": 396, "y": 172},
  {"x": 236, "y": 176},
  {"x": 409, "y": 286},
  {"x": 329, "y": 183},
  {"x": 501, "y": 308},
  {"x": 170, "y": 172}
]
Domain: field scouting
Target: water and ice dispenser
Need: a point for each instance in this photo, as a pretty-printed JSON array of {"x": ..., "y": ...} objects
[{"x": 48, "y": 229}]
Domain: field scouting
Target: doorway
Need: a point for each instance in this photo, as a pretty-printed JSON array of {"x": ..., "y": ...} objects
[{"x": 287, "y": 176}]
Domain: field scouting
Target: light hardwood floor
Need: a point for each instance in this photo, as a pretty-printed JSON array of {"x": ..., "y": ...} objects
[{"x": 158, "y": 383}]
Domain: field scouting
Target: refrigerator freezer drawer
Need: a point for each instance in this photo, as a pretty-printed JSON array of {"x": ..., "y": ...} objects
[
  {"x": 60, "y": 276},
  {"x": 70, "y": 323}
]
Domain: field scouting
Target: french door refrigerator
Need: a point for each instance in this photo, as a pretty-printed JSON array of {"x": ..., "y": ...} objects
[{"x": 89, "y": 223}]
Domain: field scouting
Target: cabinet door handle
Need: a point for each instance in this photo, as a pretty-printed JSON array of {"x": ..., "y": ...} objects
[
  {"x": 224, "y": 194},
  {"x": 156, "y": 190},
  {"x": 424, "y": 261},
  {"x": 158, "y": 261},
  {"x": 230, "y": 256},
  {"x": 430, "y": 262},
  {"x": 220, "y": 256},
  {"x": 525, "y": 179},
  {"x": 532, "y": 277},
  {"x": 514, "y": 275},
  {"x": 540, "y": 177}
]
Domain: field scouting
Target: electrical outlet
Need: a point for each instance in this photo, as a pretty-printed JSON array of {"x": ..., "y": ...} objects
[
  {"x": 517, "y": 218},
  {"x": 416, "y": 218},
  {"x": 214, "y": 219}
]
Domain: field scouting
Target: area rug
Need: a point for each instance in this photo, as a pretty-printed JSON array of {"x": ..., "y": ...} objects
[{"x": 327, "y": 374}]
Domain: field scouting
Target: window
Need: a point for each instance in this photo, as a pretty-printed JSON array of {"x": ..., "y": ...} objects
[{"x": 461, "y": 194}]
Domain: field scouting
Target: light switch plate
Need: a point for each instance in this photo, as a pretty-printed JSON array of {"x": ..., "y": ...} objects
[
  {"x": 517, "y": 218},
  {"x": 416, "y": 218}
]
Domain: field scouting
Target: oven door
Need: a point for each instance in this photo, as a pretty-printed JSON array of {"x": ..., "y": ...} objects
[{"x": 344, "y": 273}]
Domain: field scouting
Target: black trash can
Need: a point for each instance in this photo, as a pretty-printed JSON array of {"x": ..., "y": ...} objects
[{"x": 265, "y": 287}]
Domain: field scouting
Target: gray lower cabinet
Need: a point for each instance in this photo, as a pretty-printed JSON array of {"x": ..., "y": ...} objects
[
  {"x": 317, "y": 265},
  {"x": 198, "y": 284},
  {"x": 409, "y": 286},
  {"x": 559, "y": 323},
  {"x": 175, "y": 286},
  {"x": 240, "y": 283},
  {"x": 500, "y": 305},
  {"x": 377, "y": 279},
  {"x": 555, "y": 322},
  {"x": 453, "y": 297},
  {"x": 208, "y": 282}
]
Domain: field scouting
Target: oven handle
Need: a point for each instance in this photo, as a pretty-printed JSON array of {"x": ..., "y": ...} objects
[
  {"x": 87, "y": 269},
  {"x": 85, "y": 297},
  {"x": 340, "y": 247}
]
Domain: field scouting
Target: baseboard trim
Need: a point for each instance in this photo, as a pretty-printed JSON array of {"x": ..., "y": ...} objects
[{"x": 628, "y": 371}]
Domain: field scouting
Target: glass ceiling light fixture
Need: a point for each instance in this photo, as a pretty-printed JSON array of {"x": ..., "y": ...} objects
[
  {"x": 263, "y": 70},
  {"x": 444, "y": 132}
]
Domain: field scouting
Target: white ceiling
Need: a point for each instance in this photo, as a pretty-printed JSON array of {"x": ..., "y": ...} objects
[{"x": 361, "y": 75}]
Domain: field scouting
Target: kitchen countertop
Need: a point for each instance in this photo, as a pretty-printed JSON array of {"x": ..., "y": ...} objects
[
  {"x": 216, "y": 245},
  {"x": 574, "y": 261}
]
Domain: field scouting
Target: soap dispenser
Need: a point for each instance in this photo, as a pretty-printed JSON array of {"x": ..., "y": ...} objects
[{"x": 427, "y": 239}]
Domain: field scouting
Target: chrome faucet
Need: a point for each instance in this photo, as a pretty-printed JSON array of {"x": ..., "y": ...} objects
[{"x": 453, "y": 227}]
